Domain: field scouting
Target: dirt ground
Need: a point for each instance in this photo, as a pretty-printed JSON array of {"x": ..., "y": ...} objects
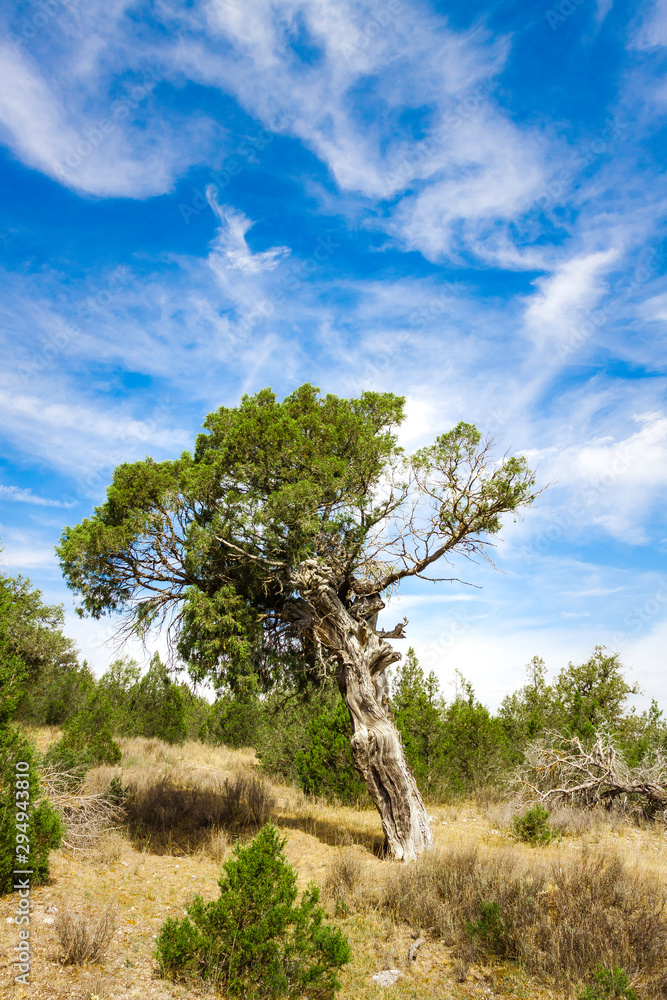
[{"x": 147, "y": 887}]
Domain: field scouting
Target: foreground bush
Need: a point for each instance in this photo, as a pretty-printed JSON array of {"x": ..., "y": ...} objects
[
  {"x": 84, "y": 935},
  {"x": 38, "y": 826},
  {"x": 254, "y": 941}
]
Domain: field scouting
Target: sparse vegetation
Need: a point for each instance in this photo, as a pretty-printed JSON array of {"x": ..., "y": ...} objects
[
  {"x": 84, "y": 933},
  {"x": 609, "y": 984}
]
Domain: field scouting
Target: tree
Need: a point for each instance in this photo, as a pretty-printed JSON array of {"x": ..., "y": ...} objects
[
  {"x": 473, "y": 741},
  {"x": 276, "y": 540},
  {"x": 418, "y": 707},
  {"x": 593, "y": 694},
  {"x": 156, "y": 705},
  {"x": 529, "y": 711}
]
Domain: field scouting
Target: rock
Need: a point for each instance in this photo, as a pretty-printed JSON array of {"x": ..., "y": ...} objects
[
  {"x": 388, "y": 977},
  {"x": 414, "y": 948}
]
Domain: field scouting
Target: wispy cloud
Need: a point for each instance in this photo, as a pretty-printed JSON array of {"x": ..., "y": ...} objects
[
  {"x": 230, "y": 246},
  {"x": 15, "y": 494}
]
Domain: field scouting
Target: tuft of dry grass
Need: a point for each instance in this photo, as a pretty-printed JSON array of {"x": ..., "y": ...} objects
[
  {"x": 217, "y": 846},
  {"x": 344, "y": 875},
  {"x": 85, "y": 933}
]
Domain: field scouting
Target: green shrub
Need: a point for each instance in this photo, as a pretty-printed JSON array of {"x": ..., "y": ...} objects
[
  {"x": 533, "y": 826},
  {"x": 325, "y": 765},
  {"x": 609, "y": 984},
  {"x": 87, "y": 741},
  {"x": 491, "y": 930},
  {"x": 233, "y": 721},
  {"x": 255, "y": 941},
  {"x": 156, "y": 706},
  {"x": 39, "y": 823}
]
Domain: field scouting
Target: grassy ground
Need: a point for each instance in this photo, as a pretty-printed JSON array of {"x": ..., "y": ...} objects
[{"x": 377, "y": 902}]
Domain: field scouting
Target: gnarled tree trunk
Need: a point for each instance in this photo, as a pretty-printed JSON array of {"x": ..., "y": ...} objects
[{"x": 362, "y": 656}]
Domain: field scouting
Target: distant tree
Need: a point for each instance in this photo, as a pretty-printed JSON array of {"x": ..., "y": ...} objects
[
  {"x": 156, "y": 705},
  {"x": 526, "y": 713},
  {"x": 474, "y": 743},
  {"x": 276, "y": 541},
  {"x": 593, "y": 695},
  {"x": 418, "y": 708}
]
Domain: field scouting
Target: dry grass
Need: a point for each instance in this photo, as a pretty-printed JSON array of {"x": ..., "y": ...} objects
[
  {"x": 597, "y": 894},
  {"x": 163, "y": 814},
  {"x": 558, "y": 916},
  {"x": 84, "y": 934}
]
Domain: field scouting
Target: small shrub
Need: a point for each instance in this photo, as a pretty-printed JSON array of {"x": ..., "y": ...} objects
[
  {"x": 246, "y": 801},
  {"x": 254, "y": 941},
  {"x": 344, "y": 873},
  {"x": 533, "y": 827},
  {"x": 609, "y": 984},
  {"x": 117, "y": 793},
  {"x": 85, "y": 934},
  {"x": 491, "y": 929}
]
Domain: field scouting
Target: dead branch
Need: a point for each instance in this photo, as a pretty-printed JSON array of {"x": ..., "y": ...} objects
[
  {"x": 558, "y": 769},
  {"x": 87, "y": 816}
]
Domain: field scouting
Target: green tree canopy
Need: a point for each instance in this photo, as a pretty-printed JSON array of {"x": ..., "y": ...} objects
[{"x": 208, "y": 543}]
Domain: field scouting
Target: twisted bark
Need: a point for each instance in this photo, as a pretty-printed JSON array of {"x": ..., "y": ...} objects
[{"x": 362, "y": 657}]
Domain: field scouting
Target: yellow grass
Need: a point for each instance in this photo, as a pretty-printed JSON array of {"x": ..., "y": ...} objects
[{"x": 322, "y": 842}]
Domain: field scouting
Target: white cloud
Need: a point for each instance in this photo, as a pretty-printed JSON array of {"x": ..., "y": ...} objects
[
  {"x": 79, "y": 437},
  {"x": 92, "y": 136},
  {"x": 567, "y": 297},
  {"x": 612, "y": 483},
  {"x": 230, "y": 246},
  {"x": 17, "y": 495},
  {"x": 392, "y": 100},
  {"x": 652, "y": 32}
]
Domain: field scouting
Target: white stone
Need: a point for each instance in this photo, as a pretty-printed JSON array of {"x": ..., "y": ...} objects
[{"x": 388, "y": 977}]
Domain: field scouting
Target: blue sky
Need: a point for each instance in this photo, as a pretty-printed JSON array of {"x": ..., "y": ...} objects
[{"x": 464, "y": 204}]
